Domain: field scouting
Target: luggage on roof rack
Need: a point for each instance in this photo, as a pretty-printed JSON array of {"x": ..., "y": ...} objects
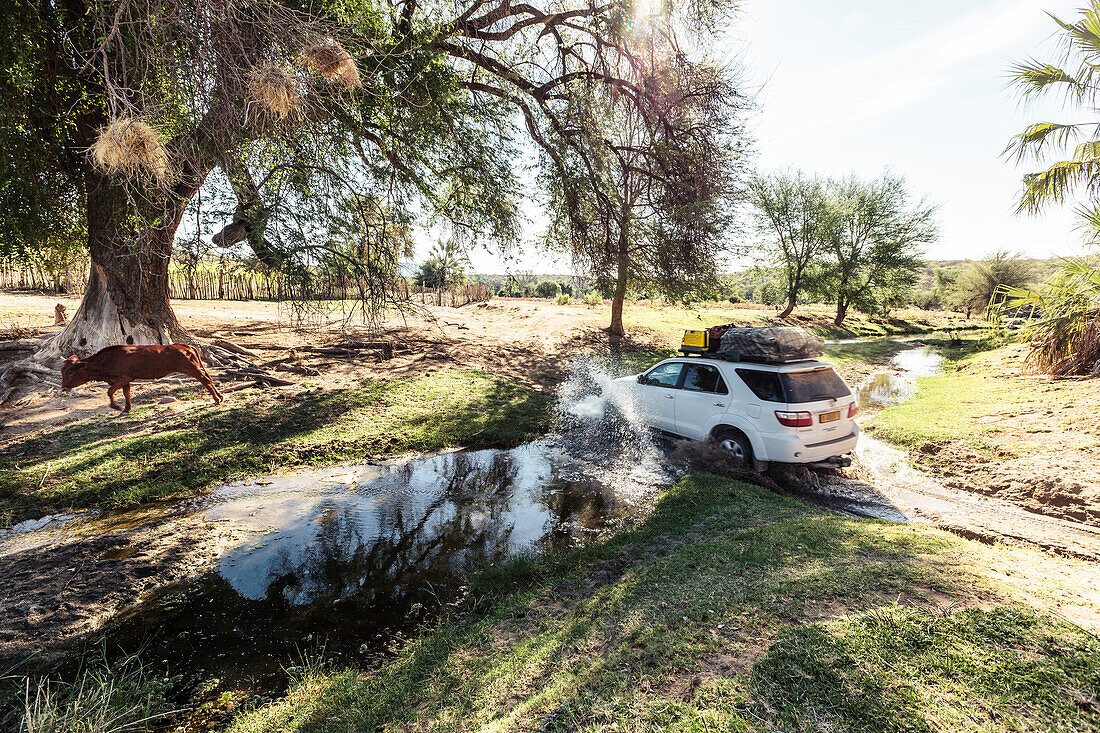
[{"x": 770, "y": 345}]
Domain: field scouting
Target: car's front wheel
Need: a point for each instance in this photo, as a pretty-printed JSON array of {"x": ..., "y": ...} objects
[{"x": 735, "y": 445}]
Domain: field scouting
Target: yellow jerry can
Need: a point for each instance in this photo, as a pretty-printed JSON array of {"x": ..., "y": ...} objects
[{"x": 695, "y": 342}]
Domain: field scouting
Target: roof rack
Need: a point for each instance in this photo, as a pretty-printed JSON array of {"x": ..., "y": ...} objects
[
  {"x": 735, "y": 356},
  {"x": 718, "y": 355}
]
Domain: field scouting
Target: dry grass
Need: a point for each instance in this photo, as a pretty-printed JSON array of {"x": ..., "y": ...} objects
[
  {"x": 275, "y": 89},
  {"x": 334, "y": 64},
  {"x": 132, "y": 148}
]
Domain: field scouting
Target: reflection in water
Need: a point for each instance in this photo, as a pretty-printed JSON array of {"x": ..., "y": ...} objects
[
  {"x": 358, "y": 554},
  {"x": 883, "y": 389}
]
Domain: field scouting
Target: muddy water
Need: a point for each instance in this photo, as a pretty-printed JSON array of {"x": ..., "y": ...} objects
[
  {"x": 898, "y": 383},
  {"x": 351, "y": 557}
]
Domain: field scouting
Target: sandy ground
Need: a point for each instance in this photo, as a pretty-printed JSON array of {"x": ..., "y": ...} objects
[
  {"x": 527, "y": 341},
  {"x": 1042, "y": 447}
]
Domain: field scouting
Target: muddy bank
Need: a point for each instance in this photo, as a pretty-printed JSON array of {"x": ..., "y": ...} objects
[
  {"x": 1064, "y": 486},
  {"x": 54, "y": 595},
  {"x": 235, "y": 583}
]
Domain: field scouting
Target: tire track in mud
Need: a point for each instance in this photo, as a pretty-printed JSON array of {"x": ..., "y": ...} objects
[{"x": 882, "y": 484}]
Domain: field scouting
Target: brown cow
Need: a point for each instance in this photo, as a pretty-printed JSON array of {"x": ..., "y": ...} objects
[{"x": 120, "y": 365}]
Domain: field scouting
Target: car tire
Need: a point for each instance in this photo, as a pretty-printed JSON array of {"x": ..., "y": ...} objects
[{"x": 735, "y": 445}]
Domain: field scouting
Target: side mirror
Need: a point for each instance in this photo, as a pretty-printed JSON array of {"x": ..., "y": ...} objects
[{"x": 642, "y": 379}]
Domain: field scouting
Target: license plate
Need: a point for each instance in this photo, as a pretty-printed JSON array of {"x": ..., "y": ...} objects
[{"x": 829, "y": 416}]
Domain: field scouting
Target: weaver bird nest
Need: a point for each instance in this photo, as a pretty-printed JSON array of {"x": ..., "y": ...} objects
[
  {"x": 275, "y": 89},
  {"x": 334, "y": 64},
  {"x": 132, "y": 148}
]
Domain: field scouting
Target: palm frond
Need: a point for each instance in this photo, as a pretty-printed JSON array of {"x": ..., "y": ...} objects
[
  {"x": 1088, "y": 216},
  {"x": 1083, "y": 36},
  {"x": 1065, "y": 330},
  {"x": 1056, "y": 182},
  {"x": 1037, "y": 138},
  {"x": 1036, "y": 77}
]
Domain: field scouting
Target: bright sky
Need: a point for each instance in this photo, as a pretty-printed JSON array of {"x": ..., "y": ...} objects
[{"x": 858, "y": 86}]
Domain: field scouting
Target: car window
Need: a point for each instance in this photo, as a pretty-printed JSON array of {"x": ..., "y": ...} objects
[
  {"x": 665, "y": 375},
  {"x": 765, "y": 385},
  {"x": 819, "y": 384},
  {"x": 703, "y": 378}
]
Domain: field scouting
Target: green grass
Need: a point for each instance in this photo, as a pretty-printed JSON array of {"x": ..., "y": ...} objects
[
  {"x": 729, "y": 608},
  {"x": 103, "y": 699},
  {"x": 148, "y": 455},
  {"x": 948, "y": 406}
]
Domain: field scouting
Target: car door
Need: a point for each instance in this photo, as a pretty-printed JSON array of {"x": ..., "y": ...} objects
[
  {"x": 657, "y": 395},
  {"x": 703, "y": 393}
]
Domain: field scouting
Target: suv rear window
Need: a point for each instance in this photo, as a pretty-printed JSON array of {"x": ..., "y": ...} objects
[
  {"x": 794, "y": 387},
  {"x": 819, "y": 384},
  {"x": 765, "y": 385}
]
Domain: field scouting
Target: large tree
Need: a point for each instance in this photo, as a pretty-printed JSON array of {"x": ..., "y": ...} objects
[
  {"x": 983, "y": 283},
  {"x": 874, "y": 237},
  {"x": 793, "y": 213},
  {"x": 641, "y": 184},
  {"x": 296, "y": 108}
]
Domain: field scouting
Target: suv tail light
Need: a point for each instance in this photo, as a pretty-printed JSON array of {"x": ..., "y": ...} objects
[
  {"x": 795, "y": 419},
  {"x": 853, "y": 410}
]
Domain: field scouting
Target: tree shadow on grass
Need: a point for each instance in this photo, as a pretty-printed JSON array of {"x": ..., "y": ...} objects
[
  {"x": 650, "y": 629},
  {"x": 106, "y": 463}
]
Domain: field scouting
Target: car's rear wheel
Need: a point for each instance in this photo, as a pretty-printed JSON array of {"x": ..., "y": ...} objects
[{"x": 735, "y": 445}]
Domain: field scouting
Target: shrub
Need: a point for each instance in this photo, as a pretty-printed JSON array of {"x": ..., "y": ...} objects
[
  {"x": 547, "y": 289},
  {"x": 563, "y": 299},
  {"x": 592, "y": 298}
]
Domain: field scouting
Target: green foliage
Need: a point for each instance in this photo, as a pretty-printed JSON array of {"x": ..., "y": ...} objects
[
  {"x": 889, "y": 669},
  {"x": 844, "y": 241},
  {"x": 593, "y": 297},
  {"x": 874, "y": 240},
  {"x": 102, "y": 699},
  {"x": 792, "y": 211},
  {"x": 547, "y": 289},
  {"x": 982, "y": 283},
  {"x": 642, "y": 197},
  {"x": 1076, "y": 144},
  {"x": 445, "y": 266},
  {"x": 1065, "y": 335},
  {"x": 564, "y": 299}
]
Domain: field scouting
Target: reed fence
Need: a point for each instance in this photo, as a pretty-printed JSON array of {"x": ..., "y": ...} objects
[{"x": 223, "y": 284}]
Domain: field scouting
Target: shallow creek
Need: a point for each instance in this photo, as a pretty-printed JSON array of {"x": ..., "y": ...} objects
[{"x": 351, "y": 557}]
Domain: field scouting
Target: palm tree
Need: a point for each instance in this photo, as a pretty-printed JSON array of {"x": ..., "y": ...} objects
[
  {"x": 1065, "y": 339},
  {"x": 1076, "y": 76}
]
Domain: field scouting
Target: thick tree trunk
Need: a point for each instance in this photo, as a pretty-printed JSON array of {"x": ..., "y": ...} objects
[
  {"x": 791, "y": 302},
  {"x": 126, "y": 299},
  {"x": 619, "y": 296},
  {"x": 841, "y": 312}
]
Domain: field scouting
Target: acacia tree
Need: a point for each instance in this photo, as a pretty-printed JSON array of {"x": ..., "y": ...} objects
[
  {"x": 641, "y": 182},
  {"x": 874, "y": 238},
  {"x": 793, "y": 211},
  {"x": 292, "y": 107},
  {"x": 983, "y": 283}
]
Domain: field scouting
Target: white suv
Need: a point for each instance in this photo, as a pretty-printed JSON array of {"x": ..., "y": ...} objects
[{"x": 799, "y": 412}]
